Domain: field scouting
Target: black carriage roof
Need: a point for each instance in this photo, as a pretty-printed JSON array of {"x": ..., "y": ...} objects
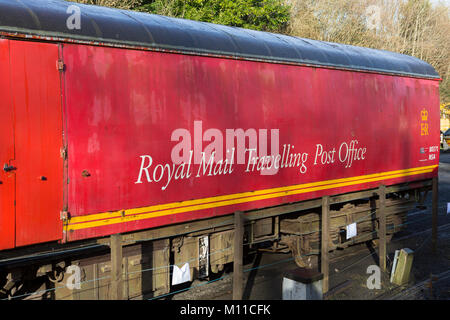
[{"x": 100, "y": 25}]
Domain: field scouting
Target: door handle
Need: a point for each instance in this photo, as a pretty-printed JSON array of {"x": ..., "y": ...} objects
[{"x": 8, "y": 168}]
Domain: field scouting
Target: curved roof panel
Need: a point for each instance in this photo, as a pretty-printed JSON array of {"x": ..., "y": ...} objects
[{"x": 48, "y": 18}]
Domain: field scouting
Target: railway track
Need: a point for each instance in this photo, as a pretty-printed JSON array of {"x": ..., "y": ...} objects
[{"x": 423, "y": 289}]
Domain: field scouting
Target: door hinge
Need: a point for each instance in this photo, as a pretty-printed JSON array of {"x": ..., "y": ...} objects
[
  {"x": 63, "y": 151},
  {"x": 60, "y": 66},
  {"x": 8, "y": 168},
  {"x": 64, "y": 216}
]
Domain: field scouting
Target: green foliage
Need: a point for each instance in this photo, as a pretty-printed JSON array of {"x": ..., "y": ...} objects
[{"x": 266, "y": 15}]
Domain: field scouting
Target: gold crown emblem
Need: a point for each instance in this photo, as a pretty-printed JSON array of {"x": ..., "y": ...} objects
[{"x": 424, "y": 115}]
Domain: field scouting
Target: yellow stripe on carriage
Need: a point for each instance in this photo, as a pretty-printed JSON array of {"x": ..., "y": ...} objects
[{"x": 135, "y": 214}]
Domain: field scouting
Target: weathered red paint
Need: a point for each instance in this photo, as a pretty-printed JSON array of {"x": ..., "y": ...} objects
[
  {"x": 33, "y": 108},
  {"x": 122, "y": 104}
]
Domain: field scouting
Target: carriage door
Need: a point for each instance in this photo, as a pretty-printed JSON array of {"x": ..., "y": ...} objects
[
  {"x": 7, "y": 179},
  {"x": 37, "y": 163}
]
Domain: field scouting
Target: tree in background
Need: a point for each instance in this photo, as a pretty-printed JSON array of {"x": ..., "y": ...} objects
[
  {"x": 341, "y": 21},
  {"x": 412, "y": 27},
  {"x": 265, "y": 15},
  {"x": 425, "y": 33},
  {"x": 120, "y": 4}
]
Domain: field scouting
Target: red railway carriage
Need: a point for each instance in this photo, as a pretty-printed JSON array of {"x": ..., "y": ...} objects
[{"x": 131, "y": 121}]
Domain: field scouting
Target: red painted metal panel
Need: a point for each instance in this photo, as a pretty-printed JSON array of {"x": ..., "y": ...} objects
[
  {"x": 7, "y": 179},
  {"x": 38, "y": 139},
  {"x": 126, "y": 104}
]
